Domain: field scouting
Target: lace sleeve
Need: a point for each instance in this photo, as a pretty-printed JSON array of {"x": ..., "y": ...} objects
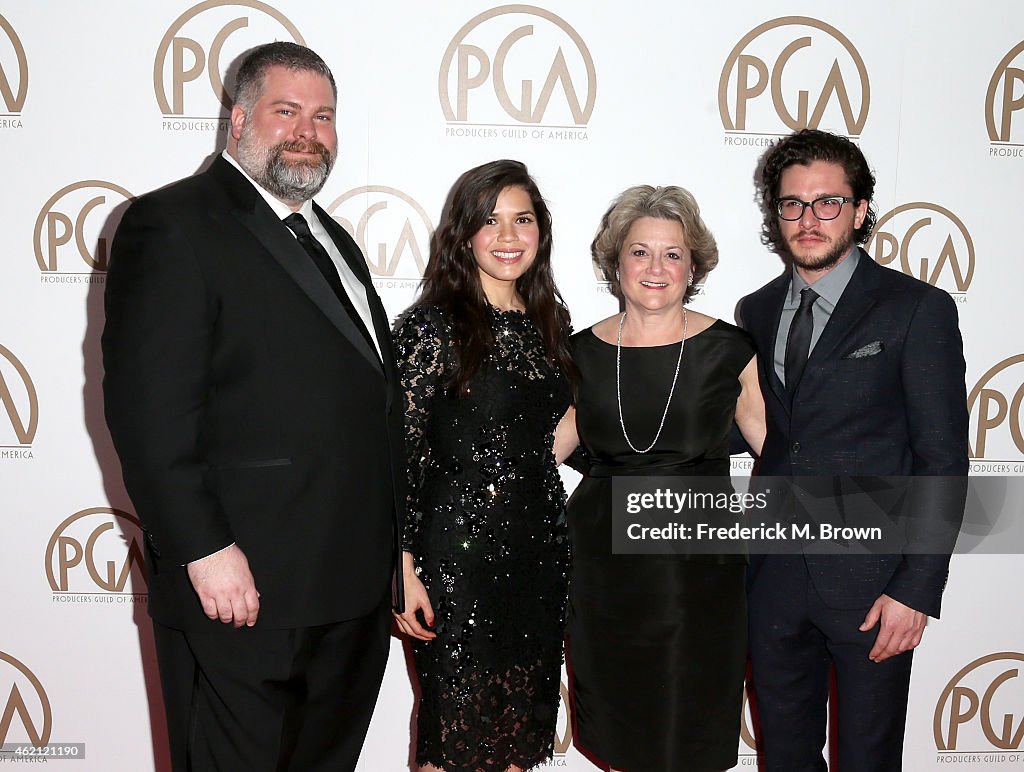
[{"x": 419, "y": 350}]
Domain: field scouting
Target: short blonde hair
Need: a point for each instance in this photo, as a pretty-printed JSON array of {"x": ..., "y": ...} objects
[{"x": 664, "y": 203}]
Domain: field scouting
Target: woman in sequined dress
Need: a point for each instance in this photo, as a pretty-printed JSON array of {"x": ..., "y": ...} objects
[
  {"x": 484, "y": 361},
  {"x": 658, "y": 643}
]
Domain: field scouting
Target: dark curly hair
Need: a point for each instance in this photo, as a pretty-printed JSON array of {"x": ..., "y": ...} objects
[
  {"x": 451, "y": 280},
  {"x": 804, "y": 147}
]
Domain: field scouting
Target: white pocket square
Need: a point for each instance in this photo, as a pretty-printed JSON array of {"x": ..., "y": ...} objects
[{"x": 875, "y": 347}]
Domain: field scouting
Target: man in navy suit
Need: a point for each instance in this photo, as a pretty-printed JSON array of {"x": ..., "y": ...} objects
[
  {"x": 251, "y": 394},
  {"x": 862, "y": 371}
]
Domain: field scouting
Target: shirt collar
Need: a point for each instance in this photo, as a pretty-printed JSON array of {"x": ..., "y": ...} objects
[
  {"x": 279, "y": 208},
  {"x": 830, "y": 287}
]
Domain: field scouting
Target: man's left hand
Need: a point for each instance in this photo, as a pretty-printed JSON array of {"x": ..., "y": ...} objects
[
  {"x": 225, "y": 587},
  {"x": 901, "y": 628}
]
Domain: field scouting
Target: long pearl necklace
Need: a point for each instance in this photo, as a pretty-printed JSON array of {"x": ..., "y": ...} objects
[{"x": 618, "y": 385}]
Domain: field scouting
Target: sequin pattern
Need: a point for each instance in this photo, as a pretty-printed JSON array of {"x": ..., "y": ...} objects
[{"x": 486, "y": 525}]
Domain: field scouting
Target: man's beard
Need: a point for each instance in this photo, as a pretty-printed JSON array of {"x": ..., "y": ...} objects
[
  {"x": 288, "y": 181},
  {"x": 826, "y": 261}
]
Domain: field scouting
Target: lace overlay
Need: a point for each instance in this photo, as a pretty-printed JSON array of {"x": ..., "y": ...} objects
[{"x": 487, "y": 527}]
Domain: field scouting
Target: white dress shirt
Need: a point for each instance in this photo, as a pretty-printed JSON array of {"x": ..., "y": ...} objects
[{"x": 355, "y": 289}]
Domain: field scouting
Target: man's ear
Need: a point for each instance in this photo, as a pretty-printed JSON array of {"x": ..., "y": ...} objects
[
  {"x": 860, "y": 213},
  {"x": 238, "y": 118}
]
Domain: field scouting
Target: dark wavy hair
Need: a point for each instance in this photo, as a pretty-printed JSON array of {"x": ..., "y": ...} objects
[
  {"x": 451, "y": 281},
  {"x": 804, "y": 147}
]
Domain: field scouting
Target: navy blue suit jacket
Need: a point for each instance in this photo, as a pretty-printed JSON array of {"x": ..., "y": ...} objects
[{"x": 896, "y": 408}]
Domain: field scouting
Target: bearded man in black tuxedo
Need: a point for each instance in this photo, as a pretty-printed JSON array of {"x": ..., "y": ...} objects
[{"x": 251, "y": 394}]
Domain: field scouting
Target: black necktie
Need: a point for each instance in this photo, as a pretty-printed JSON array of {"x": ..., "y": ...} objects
[
  {"x": 323, "y": 261},
  {"x": 799, "y": 341}
]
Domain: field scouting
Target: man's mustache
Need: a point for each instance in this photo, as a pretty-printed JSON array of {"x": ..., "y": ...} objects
[
  {"x": 816, "y": 233},
  {"x": 307, "y": 146}
]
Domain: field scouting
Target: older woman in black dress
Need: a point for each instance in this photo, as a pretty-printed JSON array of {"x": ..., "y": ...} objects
[
  {"x": 483, "y": 357},
  {"x": 657, "y": 642}
]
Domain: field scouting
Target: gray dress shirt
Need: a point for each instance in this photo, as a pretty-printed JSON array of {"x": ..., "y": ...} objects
[{"x": 830, "y": 288}]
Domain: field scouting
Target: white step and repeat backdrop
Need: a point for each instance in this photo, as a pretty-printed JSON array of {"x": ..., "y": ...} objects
[{"x": 101, "y": 101}]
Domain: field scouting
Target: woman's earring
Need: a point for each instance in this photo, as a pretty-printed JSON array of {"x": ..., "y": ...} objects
[{"x": 689, "y": 280}]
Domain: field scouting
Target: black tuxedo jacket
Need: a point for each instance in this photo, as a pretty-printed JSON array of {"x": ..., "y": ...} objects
[
  {"x": 882, "y": 394},
  {"x": 246, "y": 407}
]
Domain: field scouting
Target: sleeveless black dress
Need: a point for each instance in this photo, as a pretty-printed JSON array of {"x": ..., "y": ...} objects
[
  {"x": 486, "y": 525},
  {"x": 657, "y": 644}
]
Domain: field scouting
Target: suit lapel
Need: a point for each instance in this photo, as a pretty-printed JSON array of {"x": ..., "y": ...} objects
[
  {"x": 857, "y": 299},
  {"x": 761, "y": 315},
  {"x": 254, "y": 213}
]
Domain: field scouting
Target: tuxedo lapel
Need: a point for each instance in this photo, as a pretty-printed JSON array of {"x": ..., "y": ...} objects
[
  {"x": 346, "y": 246},
  {"x": 382, "y": 331},
  {"x": 261, "y": 221},
  {"x": 357, "y": 263}
]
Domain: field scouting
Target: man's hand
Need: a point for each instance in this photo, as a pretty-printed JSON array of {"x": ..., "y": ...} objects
[
  {"x": 225, "y": 587},
  {"x": 900, "y": 631}
]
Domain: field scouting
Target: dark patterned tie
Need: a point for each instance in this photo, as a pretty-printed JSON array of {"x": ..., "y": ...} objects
[
  {"x": 323, "y": 261},
  {"x": 799, "y": 341}
]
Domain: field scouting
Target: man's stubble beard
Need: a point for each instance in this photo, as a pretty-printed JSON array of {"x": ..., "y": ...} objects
[
  {"x": 298, "y": 181},
  {"x": 827, "y": 261}
]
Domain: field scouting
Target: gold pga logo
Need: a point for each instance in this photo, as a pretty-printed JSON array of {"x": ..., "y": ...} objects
[
  {"x": 926, "y": 241},
  {"x": 96, "y": 550},
  {"x": 203, "y": 40},
  {"x": 13, "y": 74},
  {"x": 20, "y": 403},
  {"x": 746, "y": 722},
  {"x": 982, "y": 703},
  {"x": 1004, "y": 98},
  {"x": 27, "y": 716},
  {"x": 995, "y": 406},
  {"x": 792, "y": 73},
  {"x": 517, "y": 62},
  {"x": 390, "y": 227},
  {"x": 563, "y": 739},
  {"x": 74, "y": 227}
]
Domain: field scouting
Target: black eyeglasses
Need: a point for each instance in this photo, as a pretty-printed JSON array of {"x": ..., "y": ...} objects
[{"x": 824, "y": 208}]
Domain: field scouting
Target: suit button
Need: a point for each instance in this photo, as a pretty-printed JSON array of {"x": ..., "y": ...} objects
[{"x": 796, "y": 447}]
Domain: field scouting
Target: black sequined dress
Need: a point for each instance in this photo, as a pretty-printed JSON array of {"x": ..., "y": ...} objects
[{"x": 486, "y": 525}]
